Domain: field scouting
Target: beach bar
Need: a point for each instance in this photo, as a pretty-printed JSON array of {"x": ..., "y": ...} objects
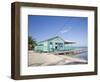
[{"x": 54, "y": 44}]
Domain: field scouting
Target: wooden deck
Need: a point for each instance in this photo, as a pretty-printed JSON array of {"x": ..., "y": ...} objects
[{"x": 69, "y": 52}]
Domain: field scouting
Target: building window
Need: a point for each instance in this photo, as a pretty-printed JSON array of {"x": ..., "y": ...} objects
[
  {"x": 56, "y": 43},
  {"x": 50, "y": 43},
  {"x": 56, "y": 47},
  {"x": 61, "y": 44}
]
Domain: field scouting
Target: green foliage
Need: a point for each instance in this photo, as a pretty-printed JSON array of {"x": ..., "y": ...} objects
[{"x": 31, "y": 43}]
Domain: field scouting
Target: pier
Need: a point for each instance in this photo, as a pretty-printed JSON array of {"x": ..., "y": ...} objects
[{"x": 79, "y": 51}]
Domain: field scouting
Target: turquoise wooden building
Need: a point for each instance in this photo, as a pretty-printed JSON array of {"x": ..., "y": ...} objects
[{"x": 54, "y": 44}]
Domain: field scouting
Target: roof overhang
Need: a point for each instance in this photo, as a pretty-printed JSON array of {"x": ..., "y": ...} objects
[{"x": 69, "y": 42}]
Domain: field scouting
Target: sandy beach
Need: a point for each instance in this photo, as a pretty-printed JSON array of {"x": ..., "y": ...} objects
[{"x": 47, "y": 59}]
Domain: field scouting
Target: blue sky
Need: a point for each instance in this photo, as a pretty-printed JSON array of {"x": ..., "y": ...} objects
[{"x": 69, "y": 28}]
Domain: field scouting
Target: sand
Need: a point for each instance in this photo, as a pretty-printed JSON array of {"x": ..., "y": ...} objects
[{"x": 46, "y": 59}]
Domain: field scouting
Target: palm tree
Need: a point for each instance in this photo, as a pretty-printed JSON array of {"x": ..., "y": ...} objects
[{"x": 31, "y": 43}]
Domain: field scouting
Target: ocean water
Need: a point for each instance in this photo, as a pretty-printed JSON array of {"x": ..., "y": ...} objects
[{"x": 82, "y": 56}]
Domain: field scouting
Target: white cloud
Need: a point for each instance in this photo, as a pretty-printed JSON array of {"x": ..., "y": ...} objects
[{"x": 65, "y": 30}]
